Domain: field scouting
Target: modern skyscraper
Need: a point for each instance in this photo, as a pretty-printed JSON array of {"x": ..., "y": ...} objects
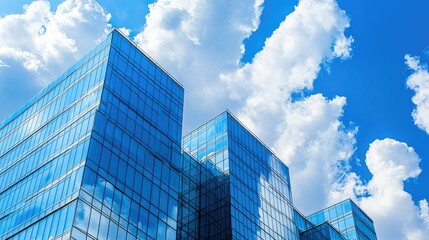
[
  {"x": 244, "y": 188},
  {"x": 348, "y": 218},
  {"x": 98, "y": 154},
  {"x": 242, "y": 191}
]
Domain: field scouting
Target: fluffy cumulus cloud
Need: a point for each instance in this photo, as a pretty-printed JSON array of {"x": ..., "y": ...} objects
[
  {"x": 48, "y": 41},
  {"x": 383, "y": 198},
  {"x": 38, "y": 44},
  {"x": 125, "y": 31},
  {"x": 196, "y": 40},
  {"x": 184, "y": 36},
  {"x": 419, "y": 82},
  {"x": 391, "y": 163},
  {"x": 424, "y": 211},
  {"x": 200, "y": 42},
  {"x": 307, "y": 133},
  {"x": 317, "y": 147}
]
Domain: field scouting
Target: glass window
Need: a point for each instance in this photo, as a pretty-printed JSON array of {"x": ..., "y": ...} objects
[
  {"x": 157, "y": 168},
  {"x": 117, "y": 199},
  {"x": 93, "y": 225},
  {"x": 174, "y": 180},
  {"x": 122, "y": 234},
  {"x": 155, "y": 195},
  {"x": 122, "y": 171},
  {"x": 125, "y": 206},
  {"x": 82, "y": 216},
  {"x": 89, "y": 179},
  {"x": 99, "y": 189},
  {"x": 130, "y": 176},
  {"x": 349, "y": 221},
  {"x": 113, "y": 231},
  {"x": 104, "y": 228},
  {"x": 163, "y": 201},
  {"x": 152, "y": 227},
  {"x": 161, "y": 230},
  {"x": 55, "y": 222},
  {"x": 346, "y": 207}
]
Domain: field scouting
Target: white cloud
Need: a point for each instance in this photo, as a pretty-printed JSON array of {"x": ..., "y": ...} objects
[
  {"x": 39, "y": 44},
  {"x": 383, "y": 198},
  {"x": 28, "y": 59},
  {"x": 197, "y": 40},
  {"x": 419, "y": 82},
  {"x": 424, "y": 211},
  {"x": 2, "y": 64},
  {"x": 289, "y": 62},
  {"x": 47, "y": 42},
  {"x": 200, "y": 43},
  {"x": 413, "y": 63},
  {"x": 125, "y": 31},
  {"x": 392, "y": 208},
  {"x": 307, "y": 133},
  {"x": 316, "y": 146}
]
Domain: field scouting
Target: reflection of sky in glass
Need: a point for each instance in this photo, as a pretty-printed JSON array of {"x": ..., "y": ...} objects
[
  {"x": 257, "y": 183},
  {"x": 42, "y": 151},
  {"x": 129, "y": 182},
  {"x": 348, "y": 218}
]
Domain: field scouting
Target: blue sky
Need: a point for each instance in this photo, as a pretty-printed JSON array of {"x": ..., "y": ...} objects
[
  {"x": 374, "y": 78},
  {"x": 323, "y": 82}
]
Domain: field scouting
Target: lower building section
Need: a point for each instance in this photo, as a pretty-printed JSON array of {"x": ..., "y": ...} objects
[
  {"x": 234, "y": 187},
  {"x": 348, "y": 219},
  {"x": 324, "y": 231}
]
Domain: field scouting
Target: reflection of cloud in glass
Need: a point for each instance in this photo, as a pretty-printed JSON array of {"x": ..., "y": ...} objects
[
  {"x": 125, "y": 206},
  {"x": 94, "y": 222},
  {"x": 33, "y": 122},
  {"x": 143, "y": 220},
  {"x": 82, "y": 215},
  {"x": 268, "y": 188},
  {"x": 87, "y": 101},
  {"x": 173, "y": 213},
  {"x": 99, "y": 188},
  {"x": 161, "y": 230},
  {"x": 104, "y": 227},
  {"x": 28, "y": 212},
  {"x": 108, "y": 194}
]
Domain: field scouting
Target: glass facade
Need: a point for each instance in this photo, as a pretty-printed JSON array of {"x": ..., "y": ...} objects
[
  {"x": 244, "y": 190},
  {"x": 324, "y": 231},
  {"x": 208, "y": 152},
  {"x": 98, "y": 154},
  {"x": 43, "y": 152},
  {"x": 348, "y": 218},
  {"x": 234, "y": 187},
  {"x": 189, "y": 198}
]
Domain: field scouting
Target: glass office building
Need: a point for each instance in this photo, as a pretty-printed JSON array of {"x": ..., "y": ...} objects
[
  {"x": 98, "y": 154},
  {"x": 234, "y": 187},
  {"x": 244, "y": 188},
  {"x": 348, "y": 218}
]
